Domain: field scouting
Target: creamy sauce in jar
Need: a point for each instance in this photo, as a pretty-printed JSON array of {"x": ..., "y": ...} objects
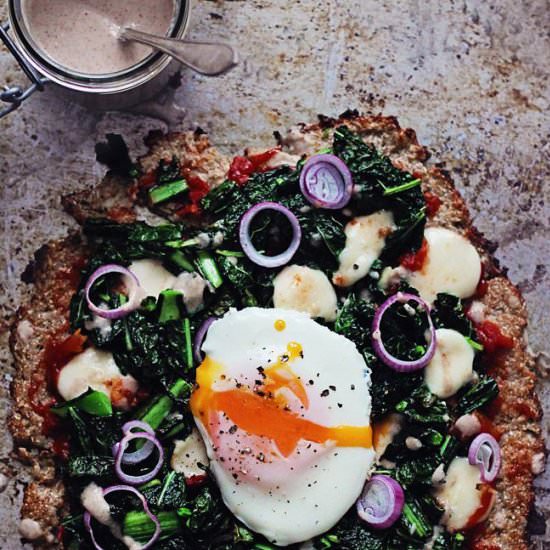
[{"x": 81, "y": 35}]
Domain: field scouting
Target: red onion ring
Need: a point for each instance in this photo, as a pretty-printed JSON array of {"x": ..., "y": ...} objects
[
  {"x": 485, "y": 453},
  {"x": 141, "y": 454},
  {"x": 381, "y": 502},
  {"x": 393, "y": 362},
  {"x": 246, "y": 242},
  {"x": 199, "y": 338},
  {"x": 112, "y": 489},
  {"x": 137, "y": 480},
  {"x": 326, "y": 182},
  {"x": 124, "y": 309}
]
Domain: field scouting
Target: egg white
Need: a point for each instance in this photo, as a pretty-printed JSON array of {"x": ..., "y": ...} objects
[{"x": 294, "y": 498}]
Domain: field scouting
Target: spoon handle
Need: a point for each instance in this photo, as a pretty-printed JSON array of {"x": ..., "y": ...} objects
[{"x": 207, "y": 58}]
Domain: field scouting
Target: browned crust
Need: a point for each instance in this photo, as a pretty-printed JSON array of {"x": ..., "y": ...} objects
[
  {"x": 518, "y": 412},
  {"x": 43, "y": 316},
  {"x": 194, "y": 151}
]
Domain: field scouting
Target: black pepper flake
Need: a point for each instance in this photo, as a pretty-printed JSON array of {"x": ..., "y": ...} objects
[
  {"x": 324, "y": 393},
  {"x": 311, "y": 382},
  {"x": 284, "y": 358},
  {"x": 353, "y": 386},
  {"x": 235, "y": 476},
  {"x": 238, "y": 385},
  {"x": 333, "y": 388},
  {"x": 233, "y": 429},
  {"x": 339, "y": 405}
]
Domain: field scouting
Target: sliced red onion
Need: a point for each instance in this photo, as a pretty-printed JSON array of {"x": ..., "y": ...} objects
[
  {"x": 133, "y": 294},
  {"x": 485, "y": 452},
  {"x": 113, "y": 489},
  {"x": 199, "y": 338},
  {"x": 381, "y": 502},
  {"x": 141, "y": 454},
  {"x": 393, "y": 362},
  {"x": 137, "y": 480},
  {"x": 326, "y": 182},
  {"x": 246, "y": 241}
]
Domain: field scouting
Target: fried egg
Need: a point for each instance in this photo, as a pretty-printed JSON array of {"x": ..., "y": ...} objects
[{"x": 283, "y": 406}]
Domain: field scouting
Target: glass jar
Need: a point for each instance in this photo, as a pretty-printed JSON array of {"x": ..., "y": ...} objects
[{"x": 116, "y": 90}]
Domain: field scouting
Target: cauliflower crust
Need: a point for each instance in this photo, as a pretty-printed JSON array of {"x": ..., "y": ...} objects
[{"x": 516, "y": 411}]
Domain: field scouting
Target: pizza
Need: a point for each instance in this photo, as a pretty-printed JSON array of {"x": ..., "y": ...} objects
[{"x": 304, "y": 346}]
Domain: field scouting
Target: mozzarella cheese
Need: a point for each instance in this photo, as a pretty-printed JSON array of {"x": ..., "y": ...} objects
[
  {"x": 452, "y": 265},
  {"x": 153, "y": 278},
  {"x": 192, "y": 285},
  {"x": 283, "y": 406},
  {"x": 304, "y": 289},
  {"x": 460, "y": 495},
  {"x": 452, "y": 364},
  {"x": 365, "y": 240},
  {"x": 188, "y": 454},
  {"x": 96, "y": 369}
]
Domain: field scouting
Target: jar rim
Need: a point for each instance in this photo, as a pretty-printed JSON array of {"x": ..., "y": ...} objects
[{"x": 128, "y": 78}]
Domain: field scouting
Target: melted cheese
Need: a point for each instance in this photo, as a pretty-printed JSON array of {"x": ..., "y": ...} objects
[
  {"x": 188, "y": 454},
  {"x": 192, "y": 285},
  {"x": 452, "y": 364},
  {"x": 365, "y": 240},
  {"x": 30, "y": 529},
  {"x": 154, "y": 278},
  {"x": 304, "y": 289},
  {"x": 452, "y": 265},
  {"x": 96, "y": 369},
  {"x": 460, "y": 495}
]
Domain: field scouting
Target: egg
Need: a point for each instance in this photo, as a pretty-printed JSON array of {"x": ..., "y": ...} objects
[{"x": 283, "y": 406}]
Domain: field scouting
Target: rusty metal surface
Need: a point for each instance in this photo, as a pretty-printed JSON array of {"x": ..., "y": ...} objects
[{"x": 470, "y": 77}]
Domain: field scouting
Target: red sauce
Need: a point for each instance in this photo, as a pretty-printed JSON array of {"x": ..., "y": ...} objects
[
  {"x": 414, "y": 261},
  {"x": 195, "y": 480},
  {"x": 148, "y": 180},
  {"x": 485, "y": 505},
  {"x": 67, "y": 277},
  {"x": 240, "y": 170},
  {"x": 487, "y": 425},
  {"x": 490, "y": 335},
  {"x": 433, "y": 203},
  {"x": 121, "y": 214},
  {"x": 243, "y": 167},
  {"x": 198, "y": 189},
  {"x": 57, "y": 353}
]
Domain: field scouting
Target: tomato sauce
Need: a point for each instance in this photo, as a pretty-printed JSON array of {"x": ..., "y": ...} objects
[
  {"x": 198, "y": 189},
  {"x": 433, "y": 203},
  {"x": 414, "y": 261},
  {"x": 492, "y": 338},
  {"x": 243, "y": 167},
  {"x": 57, "y": 353},
  {"x": 486, "y": 503}
]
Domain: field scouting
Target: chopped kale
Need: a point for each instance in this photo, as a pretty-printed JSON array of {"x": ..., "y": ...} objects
[
  {"x": 373, "y": 175},
  {"x": 90, "y": 466},
  {"x": 154, "y": 344},
  {"x": 477, "y": 395}
]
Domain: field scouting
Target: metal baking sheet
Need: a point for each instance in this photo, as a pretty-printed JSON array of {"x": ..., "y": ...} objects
[{"x": 471, "y": 78}]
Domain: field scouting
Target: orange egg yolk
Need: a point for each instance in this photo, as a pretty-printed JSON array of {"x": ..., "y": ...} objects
[{"x": 266, "y": 413}]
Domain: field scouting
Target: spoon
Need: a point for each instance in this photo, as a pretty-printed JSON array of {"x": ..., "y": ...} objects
[{"x": 208, "y": 58}]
